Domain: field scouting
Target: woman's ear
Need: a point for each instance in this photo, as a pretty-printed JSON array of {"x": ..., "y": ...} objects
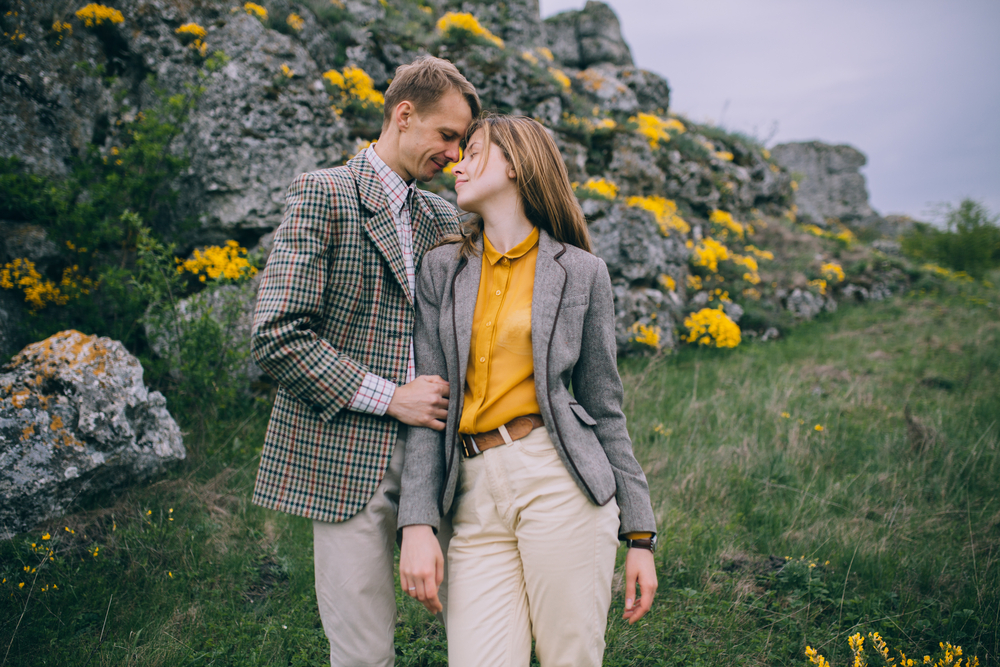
[{"x": 511, "y": 174}]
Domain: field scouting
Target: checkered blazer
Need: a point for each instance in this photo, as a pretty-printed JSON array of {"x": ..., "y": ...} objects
[{"x": 332, "y": 305}]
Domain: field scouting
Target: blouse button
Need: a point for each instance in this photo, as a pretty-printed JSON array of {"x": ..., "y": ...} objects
[
  {"x": 498, "y": 292},
  {"x": 482, "y": 360}
]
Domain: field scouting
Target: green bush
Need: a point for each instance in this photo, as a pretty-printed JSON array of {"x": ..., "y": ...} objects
[{"x": 970, "y": 242}]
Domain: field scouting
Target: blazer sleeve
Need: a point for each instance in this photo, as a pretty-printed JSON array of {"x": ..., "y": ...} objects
[
  {"x": 598, "y": 388},
  {"x": 423, "y": 466},
  {"x": 291, "y": 299}
]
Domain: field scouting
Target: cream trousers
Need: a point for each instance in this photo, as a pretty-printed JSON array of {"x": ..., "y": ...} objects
[
  {"x": 530, "y": 557},
  {"x": 355, "y": 585}
]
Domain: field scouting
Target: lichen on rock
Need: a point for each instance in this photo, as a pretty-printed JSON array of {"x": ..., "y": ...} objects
[{"x": 76, "y": 418}]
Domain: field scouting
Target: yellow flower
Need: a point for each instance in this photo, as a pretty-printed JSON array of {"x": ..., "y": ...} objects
[
  {"x": 46, "y": 536},
  {"x": 38, "y": 292},
  {"x": 602, "y": 188},
  {"x": 560, "y": 77},
  {"x": 192, "y": 29},
  {"x": 709, "y": 253},
  {"x": 529, "y": 57},
  {"x": 287, "y": 71},
  {"x": 465, "y": 22},
  {"x": 668, "y": 282},
  {"x": 545, "y": 53},
  {"x": 646, "y": 334},
  {"x": 254, "y": 9},
  {"x": 818, "y": 427},
  {"x": 665, "y": 211},
  {"x": 355, "y": 84},
  {"x": 694, "y": 282},
  {"x": 785, "y": 415},
  {"x": 795, "y": 186},
  {"x": 95, "y": 14},
  {"x": 819, "y": 284},
  {"x": 725, "y": 220},
  {"x": 710, "y": 326},
  {"x": 757, "y": 252},
  {"x": 295, "y": 22},
  {"x": 725, "y": 156},
  {"x": 657, "y": 129},
  {"x": 832, "y": 272},
  {"x": 227, "y": 262}
]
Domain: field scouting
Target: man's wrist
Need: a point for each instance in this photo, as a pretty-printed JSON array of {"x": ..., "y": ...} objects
[{"x": 648, "y": 543}]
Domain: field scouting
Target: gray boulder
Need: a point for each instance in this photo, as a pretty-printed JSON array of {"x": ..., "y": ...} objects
[
  {"x": 588, "y": 36},
  {"x": 76, "y": 419},
  {"x": 831, "y": 184}
]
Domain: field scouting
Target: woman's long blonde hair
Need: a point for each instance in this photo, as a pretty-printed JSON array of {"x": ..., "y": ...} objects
[{"x": 542, "y": 181}]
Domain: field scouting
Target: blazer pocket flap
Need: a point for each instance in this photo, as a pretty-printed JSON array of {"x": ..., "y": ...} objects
[
  {"x": 582, "y": 414},
  {"x": 577, "y": 300}
]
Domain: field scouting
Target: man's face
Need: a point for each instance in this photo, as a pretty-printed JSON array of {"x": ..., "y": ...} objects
[{"x": 431, "y": 139}]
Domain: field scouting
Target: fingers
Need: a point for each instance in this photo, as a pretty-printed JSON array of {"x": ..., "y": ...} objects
[{"x": 630, "y": 576}]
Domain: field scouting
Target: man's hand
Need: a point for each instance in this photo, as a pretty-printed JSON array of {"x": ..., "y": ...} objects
[
  {"x": 423, "y": 402},
  {"x": 639, "y": 565},
  {"x": 421, "y": 566}
]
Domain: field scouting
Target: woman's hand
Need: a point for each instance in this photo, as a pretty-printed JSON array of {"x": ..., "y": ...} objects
[
  {"x": 639, "y": 567},
  {"x": 421, "y": 566}
]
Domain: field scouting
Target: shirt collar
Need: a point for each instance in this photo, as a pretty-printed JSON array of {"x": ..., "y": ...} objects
[
  {"x": 397, "y": 191},
  {"x": 493, "y": 255}
]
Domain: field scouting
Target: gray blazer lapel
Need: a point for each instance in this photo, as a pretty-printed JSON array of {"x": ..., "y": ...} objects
[
  {"x": 546, "y": 298},
  {"x": 465, "y": 295},
  {"x": 380, "y": 227}
]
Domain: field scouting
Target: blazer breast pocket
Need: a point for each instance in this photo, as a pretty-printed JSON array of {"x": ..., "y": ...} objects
[{"x": 576, "y": 301}]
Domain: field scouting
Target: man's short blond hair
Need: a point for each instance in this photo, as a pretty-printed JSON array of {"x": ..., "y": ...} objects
[{"x": 423, "y": 83}]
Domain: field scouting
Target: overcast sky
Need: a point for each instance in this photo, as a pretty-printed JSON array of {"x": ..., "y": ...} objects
[{"x": 913, "y": 84}]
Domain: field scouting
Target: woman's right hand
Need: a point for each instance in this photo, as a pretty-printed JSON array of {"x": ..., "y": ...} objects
[{"x": 421, "y": 566}]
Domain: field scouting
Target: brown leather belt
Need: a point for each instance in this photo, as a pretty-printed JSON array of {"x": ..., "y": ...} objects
[{"x": 517, "y": 428}]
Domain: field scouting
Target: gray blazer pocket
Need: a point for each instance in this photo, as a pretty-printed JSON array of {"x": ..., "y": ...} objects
[
  {"x": 578, "y": 300},
  {"x": 582, "y": 414}
]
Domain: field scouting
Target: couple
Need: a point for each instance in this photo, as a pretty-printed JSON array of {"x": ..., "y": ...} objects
[{"x": 439, "y": 403}]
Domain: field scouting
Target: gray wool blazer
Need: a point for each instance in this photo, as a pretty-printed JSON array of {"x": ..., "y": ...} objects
[{"x": 572, "y": 340}]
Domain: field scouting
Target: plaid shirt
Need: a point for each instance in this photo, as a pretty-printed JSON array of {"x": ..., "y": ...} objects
[
  {"x": 334, "y": 305},
  {"x": 375, "y": 392}
]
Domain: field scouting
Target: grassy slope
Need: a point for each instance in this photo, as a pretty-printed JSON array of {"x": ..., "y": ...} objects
[{"x": 899, "y": 515}]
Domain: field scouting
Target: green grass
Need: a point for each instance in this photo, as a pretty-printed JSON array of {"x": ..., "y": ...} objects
[{"x": 896, "y": 502}]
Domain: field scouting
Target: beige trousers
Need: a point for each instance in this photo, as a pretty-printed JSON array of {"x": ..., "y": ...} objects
[
  {"x": 530, "y": 556},
  {"x": 355, "y": 585}
]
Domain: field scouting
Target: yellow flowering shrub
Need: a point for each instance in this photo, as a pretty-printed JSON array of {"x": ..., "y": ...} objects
[
  {"x": 62, "y": 29},
  {"x": 758, "y": 253},
  {"x": 598, "y": 187},
  {"x": 546, "y": 53},
  {"x": 287, "y": 71},
  {"x": 665, "y": 211},
  {"x": 725, "y": 156},
  {"x": 832, "y": 271},
  {"x": 592, "y": 79},
  {"x": 951, "y": 656},
  {"x": 529, "y": 57},
  {"x": 668, "y": 282},
  {"x": 819, "y": 284},
  {"x": 192, "y": 29},
  {"x": 709, "y": 253},
  {"x": 560, "y": 77},
  {"x": 725, "y": 220},
  {"x": 645, "y": 334},
  {"x": 958, "y": 276},
  {"x": 712, "y": 327},
  {"x": 226, "y": 262},
  {"x": 95, "y": 14},
  {"x": 253, "y": 9},
  {"x": 463, "y": 22},
  {"x": 657, "y": 129},
  {"x": 40, "y": 292},
  {"x": 694, "y": 282},
  {"x": 355, "y": 88},
  {"x": 295, "y": 22}
]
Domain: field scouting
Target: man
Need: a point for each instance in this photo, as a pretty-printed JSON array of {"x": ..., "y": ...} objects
[{"x": 333, "y": 327}]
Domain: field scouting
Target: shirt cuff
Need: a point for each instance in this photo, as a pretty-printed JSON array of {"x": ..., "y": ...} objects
[
  {"x": 636, "y": 536},
  {"x": 373, "y": 395}
]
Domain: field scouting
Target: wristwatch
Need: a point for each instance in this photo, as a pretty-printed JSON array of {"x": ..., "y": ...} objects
[{"x": 644, "y": 543}]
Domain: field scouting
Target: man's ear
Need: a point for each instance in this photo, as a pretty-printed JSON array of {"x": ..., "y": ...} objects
[{"x": 403, "y": 114}]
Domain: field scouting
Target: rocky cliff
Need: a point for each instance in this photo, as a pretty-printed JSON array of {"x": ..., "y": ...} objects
[{"x": 675, "y": 208}]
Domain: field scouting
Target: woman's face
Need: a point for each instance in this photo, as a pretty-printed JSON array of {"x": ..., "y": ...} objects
[{"x": 480, "y": 180}]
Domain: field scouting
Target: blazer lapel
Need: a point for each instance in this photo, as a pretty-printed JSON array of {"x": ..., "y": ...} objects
[
  {"x": 466, "y": 291},
  {"x": 546, "y": 298},
  {"x": 380, "y": 227}
]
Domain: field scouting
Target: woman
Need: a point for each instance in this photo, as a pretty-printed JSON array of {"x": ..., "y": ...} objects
[{"x": 542, "y": 482}]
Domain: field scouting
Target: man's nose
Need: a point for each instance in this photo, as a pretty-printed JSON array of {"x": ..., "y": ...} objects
[{"x": 454, "y": 152}]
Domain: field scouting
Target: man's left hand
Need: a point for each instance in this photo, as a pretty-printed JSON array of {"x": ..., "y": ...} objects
[{"x": 640, "y": 567}]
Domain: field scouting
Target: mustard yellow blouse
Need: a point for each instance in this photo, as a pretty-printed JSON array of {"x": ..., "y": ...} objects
[{"x": 500, "y": 381}]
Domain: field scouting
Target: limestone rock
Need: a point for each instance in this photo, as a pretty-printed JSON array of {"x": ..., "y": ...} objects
[
  {"x": 831, "y": 184},
  {"x": 587, "y": 37},
  {"x": 76, "y": 419}
]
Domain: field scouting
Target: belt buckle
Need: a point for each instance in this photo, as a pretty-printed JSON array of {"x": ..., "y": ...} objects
[{"x": 469, "y": 446}]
